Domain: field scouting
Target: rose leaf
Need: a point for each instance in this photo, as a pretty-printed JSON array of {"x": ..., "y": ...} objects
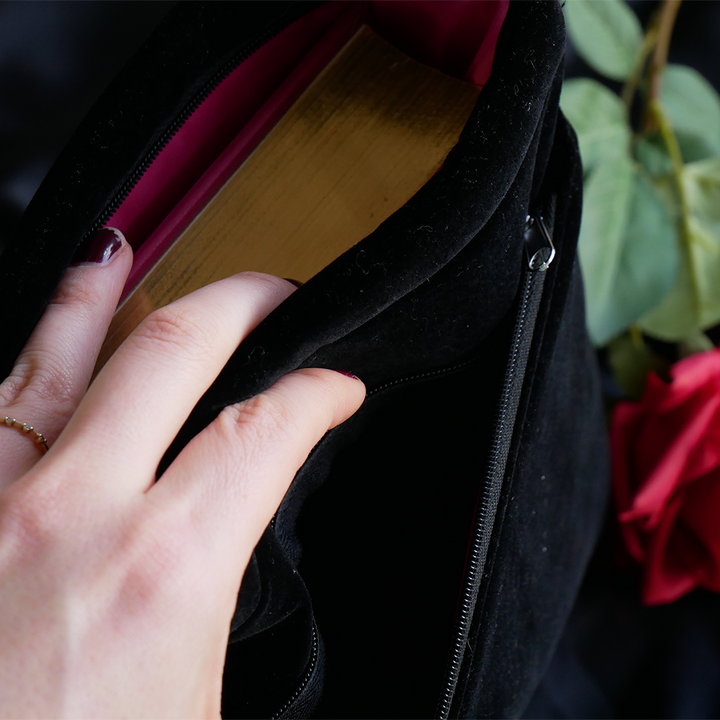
[
  {"x": 677, "y": 315},
  {"x": 705, "y": 257},
  {"x": 695, "y": 343},
  {"x": 606, "y": 34},
  {"x": 701, "y": 181},
  {"x": 651, "y": 153},
  {"x": 693, "y": 107},
  {"x": 598, "y": 116},
  {"x": 628, "y": 248},
  {"x": 693, "y": 304}
]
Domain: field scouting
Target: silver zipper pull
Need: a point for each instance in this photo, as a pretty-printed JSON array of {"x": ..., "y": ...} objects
[{"x": 538, "y": 244}]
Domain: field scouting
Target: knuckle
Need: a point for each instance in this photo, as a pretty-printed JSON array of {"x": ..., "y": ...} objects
[
  {"x": 42, "y": 375},
  {"x": 261, "y": 416},
  {"x": 78, "y": 292},
  {"x": 12, "y": 387},
  {"x": 31, "y": 520},
  {"x": 174, "y": 329}
]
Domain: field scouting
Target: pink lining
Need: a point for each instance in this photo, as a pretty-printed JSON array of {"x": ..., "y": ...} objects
[
  {"x": 455, "y": 36},
  {"x": 212, "y": 126},
  {"x": 239, "y": 149}
]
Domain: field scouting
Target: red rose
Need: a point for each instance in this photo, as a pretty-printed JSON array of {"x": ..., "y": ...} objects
[{"x": 666, "y": 479}]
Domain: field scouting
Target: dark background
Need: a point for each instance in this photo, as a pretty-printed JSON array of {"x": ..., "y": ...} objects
[{"x": 55, "y": 59}]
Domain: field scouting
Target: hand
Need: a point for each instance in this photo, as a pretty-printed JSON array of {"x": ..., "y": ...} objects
[{"x": 116, "y": 593}]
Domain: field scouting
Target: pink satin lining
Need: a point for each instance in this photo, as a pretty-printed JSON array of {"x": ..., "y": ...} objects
[{"x": 455, "y": 36}]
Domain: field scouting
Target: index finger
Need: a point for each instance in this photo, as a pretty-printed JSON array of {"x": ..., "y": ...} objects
[
  {"x": 232, "y": 477},
  {"x": 145, "y": 392}
]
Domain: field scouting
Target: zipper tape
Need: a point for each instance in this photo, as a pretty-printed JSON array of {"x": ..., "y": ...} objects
[{"x": 540, "y": 253}]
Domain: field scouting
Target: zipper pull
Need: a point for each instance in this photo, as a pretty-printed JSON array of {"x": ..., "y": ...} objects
[{"x": 538, "y": 244}]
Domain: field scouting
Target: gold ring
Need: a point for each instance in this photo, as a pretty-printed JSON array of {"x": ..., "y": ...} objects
[{"x": 37, "y": 437}]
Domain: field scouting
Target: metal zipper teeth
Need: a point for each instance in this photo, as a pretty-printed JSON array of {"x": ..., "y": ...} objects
[
  {"x": 181, "y": 119},
  {"x": 491, "y": 493},
  {"x": 306, "y": 678}
]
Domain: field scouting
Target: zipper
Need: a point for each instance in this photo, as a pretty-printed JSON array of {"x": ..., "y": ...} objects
[
  {"x": 309, "y": 674},
  {"x": 197, "y": 100},
  {"x": 540, "y": 252}
]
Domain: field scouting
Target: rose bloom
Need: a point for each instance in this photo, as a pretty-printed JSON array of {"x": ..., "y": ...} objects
[{"x": 666, "y": 479}]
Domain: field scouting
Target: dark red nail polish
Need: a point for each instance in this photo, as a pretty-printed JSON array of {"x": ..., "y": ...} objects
[
  {"x": 99, "y": 248},
  {"x": 296, "y": 283},
  {"x": 348, "y": 374}
]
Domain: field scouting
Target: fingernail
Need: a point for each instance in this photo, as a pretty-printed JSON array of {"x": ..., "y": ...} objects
[
  {"x": 99, "y": 248},
  {"x": 348, "y": 374},
  {"x": 296, "y": 283}
]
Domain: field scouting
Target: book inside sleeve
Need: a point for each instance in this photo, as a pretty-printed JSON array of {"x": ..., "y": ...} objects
[{"x": 364, "y": 137}]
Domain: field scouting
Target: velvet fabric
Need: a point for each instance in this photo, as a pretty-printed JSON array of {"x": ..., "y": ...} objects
[
  {"x": 348, "y": 608},
  {"x": 618, "y": 658}
]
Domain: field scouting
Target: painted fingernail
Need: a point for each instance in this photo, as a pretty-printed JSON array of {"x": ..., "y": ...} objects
[
  {"x": 99, "y": 248},
  {"x": 348, "y": 374},
  {"x": 296, "y": 283}
]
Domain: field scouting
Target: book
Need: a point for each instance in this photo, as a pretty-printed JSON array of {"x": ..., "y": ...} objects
[{"x": 365, "y": 136}]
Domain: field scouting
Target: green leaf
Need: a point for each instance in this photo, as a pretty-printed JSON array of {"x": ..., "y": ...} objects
[
  {"x": 695, "y": 343},
  {"x": 652, "y": 154},
  {"x": 606, "y": 206},
  {"x": 598, "y": 116},
  {"x": 693, "y": 106},
  {"x": 705, "y": 256},
  {"x": 694, "y": 302},
  {"x": 606, "y": 34},
  {"x": 701, "y": 181},
  {"x": 628, "y": 248},
  {"x": 676, "y": 316}
]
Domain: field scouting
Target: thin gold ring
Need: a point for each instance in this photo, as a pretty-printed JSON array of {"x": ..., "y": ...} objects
[{"x": 28, "y": 430}]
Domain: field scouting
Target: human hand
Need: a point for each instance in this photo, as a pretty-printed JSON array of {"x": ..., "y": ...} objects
[{"x": 116, "y": 592}]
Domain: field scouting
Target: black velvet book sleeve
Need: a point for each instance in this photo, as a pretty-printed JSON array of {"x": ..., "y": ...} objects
[{"x": 427, "y": 554}]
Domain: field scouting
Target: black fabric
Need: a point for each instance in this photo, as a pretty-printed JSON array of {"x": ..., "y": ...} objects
[
  {"x": 273, "y": 647},
  {"x": 135, "y": 110},
  {"x": 620, "y": 659},
  {"x": 366, "y": 555}
]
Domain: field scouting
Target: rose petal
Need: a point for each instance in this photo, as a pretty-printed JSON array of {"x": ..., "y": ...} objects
[
  {"x": 695, "y": 371},
  {"x": 663, "y": 450},
  {"x": 700, "y": 515},
  {"x": 671, "y": 566},
  {"x": 624, "y": 427},
  {"x": 666, "y": 479},
  {"x": 706, "y": 456}
]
